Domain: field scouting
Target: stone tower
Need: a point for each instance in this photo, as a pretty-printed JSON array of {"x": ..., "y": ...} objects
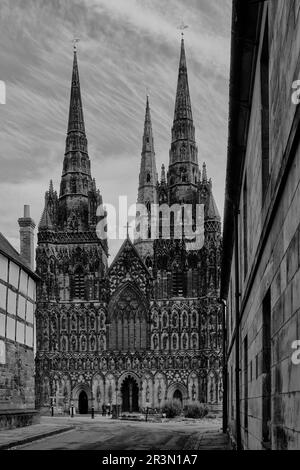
[{"x": 71, "y": 262}]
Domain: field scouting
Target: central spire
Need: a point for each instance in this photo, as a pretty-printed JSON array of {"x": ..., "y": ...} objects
[
  {"x": 147, "y": 191},
  {"x": 183, "y": 108},
  {"x": 183, "y": 162},
  {"x": 148, "y": 174}
]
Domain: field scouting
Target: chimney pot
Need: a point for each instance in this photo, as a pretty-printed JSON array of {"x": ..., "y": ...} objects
[{"x": 26, "y": 211}]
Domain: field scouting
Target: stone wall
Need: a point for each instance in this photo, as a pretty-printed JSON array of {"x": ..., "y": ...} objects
[
  {"x": 273, "y": 251},
  {"x": 17, "y": 378}
]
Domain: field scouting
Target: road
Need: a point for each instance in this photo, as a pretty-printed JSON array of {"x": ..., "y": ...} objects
[{"x": 107, "y": 434}]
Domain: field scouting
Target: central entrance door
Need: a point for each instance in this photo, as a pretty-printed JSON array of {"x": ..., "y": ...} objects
[
  {"x": 83, "y": 404},
  {"x": 177, "y": 395},
  {"x": 130, "y": 395}
]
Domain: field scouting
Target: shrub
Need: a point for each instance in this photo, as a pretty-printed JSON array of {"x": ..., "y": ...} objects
[
  {"x": 172, "y": 408},
  {"x": 196, "y": 411}
]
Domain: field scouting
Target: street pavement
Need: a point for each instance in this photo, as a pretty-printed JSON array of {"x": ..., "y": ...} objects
[{"x": 104, "y": 433}]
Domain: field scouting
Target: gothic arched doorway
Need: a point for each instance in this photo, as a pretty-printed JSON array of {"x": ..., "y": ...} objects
[
  {"x": 130, "y": 395},
  {"x": 177, "y": 395},
  {"x": 83, "y": 404}
]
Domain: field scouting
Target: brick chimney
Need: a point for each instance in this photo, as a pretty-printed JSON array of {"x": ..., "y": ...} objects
[{"x": 27, "y": 226}]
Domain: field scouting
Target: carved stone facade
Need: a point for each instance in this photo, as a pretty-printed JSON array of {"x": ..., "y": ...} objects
[{"x": 148, "y": 328}]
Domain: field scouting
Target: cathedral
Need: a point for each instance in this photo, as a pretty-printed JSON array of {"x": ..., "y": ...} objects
[{"x": 147, "y": 328}]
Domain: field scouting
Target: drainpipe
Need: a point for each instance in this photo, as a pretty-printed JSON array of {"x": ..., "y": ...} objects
[
  {"x": 224, "y": 367},
  {"x": 237, "y": 331}
]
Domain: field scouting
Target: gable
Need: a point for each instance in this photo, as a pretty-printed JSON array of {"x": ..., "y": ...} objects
[{"x": 128, "y": 267}]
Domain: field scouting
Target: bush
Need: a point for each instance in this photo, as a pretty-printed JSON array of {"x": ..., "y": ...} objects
[
  {"x": 172, "y": 408},
  {"x": 196, "y": 411}
]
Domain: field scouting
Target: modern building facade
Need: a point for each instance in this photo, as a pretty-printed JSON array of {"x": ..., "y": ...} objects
[
  {"x": 260, "y": 266},
  {"x": 17, "y": 329},
  {"x": 148, "y": 328}
]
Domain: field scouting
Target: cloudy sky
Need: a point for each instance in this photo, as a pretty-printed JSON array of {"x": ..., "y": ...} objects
[{"x": 126, "y": 47}]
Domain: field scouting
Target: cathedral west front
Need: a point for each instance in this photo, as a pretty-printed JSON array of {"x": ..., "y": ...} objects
[{"x": 147, "y": 328}]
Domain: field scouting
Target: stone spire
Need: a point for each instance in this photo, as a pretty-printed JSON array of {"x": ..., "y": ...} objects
[
  {"x": 76, "y": 175},
  {"x": 147, "y": 191},
  {"x": 76, "y": 121},
  {"x": 204, "y": 173},
  {"x": 163, "y": 174},
  {"x": 148, "y": 174},
  {"x": 183, "y": 162},
  {"x": 183, "y": 108}
]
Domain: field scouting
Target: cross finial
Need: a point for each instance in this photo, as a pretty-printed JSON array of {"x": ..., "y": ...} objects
[
  {"x": 127, "y": 229},
  {"x": 75, "y": 41},
  {"x": 182, "y": 27}
]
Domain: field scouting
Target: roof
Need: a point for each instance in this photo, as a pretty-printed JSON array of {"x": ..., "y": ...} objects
[
  {"x": 212, "y": 209},
  {"x": 8, "y": 250}
]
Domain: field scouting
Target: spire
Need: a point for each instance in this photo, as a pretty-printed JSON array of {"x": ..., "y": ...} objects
[
  {"x": 163, "y": 174},
  {"x": 45, "y": 222},
  {"x": 148, "y": 174},
  {"x": 212, "y": 209},
  {"x": 76, "y": 175},
  {"x": 76, "y": 122},
  {"x": 148, "y": 144},
  {"x": 148, "y": 182},
  {"x": 183, "y": 108},
  {"x": 204, "y": 173},
  {"x": 183, "y": 174}
]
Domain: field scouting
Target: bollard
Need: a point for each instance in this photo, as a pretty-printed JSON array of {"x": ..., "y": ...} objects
[
  {"x": 93, "y": 412},
  {"x": 72, "y": 411}
]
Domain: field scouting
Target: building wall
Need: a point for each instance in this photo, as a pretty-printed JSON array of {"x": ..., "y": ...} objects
[
  {"x": 273, "y": 267},
  {"x": 17, "y": 306}
]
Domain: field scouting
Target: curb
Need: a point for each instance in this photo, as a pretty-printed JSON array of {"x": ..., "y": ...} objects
[{"x": 37, "y": 437}]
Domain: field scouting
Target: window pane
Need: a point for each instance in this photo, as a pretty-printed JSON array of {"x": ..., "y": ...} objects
[
  {"x": 10, "y": 328},
  {"x": 2, "y": 352},
  {"x": 13, "y": 274},
  {"x": 29, "y": 314},
  {"x": 3, "y": 290},
  {"x": 31, "y": 289},
  {"x": 11, "y": 303},
  {"x": 29, "y": 336},
  {"x": 2, "y": 324},
  {"x": 23, "y": 282},
  {"x": 3, "y": 268},
  {"x": 21, "y": 306},
  {"x": 20, "y": 332}
]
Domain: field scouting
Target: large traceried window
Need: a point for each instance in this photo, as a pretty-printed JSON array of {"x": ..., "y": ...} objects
[{"x": 128, "y": 321}]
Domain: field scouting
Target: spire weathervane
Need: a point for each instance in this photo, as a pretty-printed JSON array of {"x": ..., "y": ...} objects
[
  {"x": 182, "y": 27},
  {"x": 75, "y": 41}
]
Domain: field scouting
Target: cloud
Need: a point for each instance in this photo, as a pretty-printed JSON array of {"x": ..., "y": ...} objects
[{"x": 126, "y": 47}]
